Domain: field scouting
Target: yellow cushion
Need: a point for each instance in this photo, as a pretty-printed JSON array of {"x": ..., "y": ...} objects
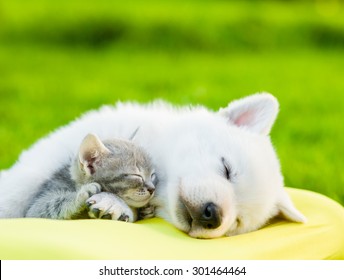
[{"x": 321, "y": 238}]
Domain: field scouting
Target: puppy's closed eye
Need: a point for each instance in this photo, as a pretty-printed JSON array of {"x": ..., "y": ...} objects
[{"x": 227, "y": 171}]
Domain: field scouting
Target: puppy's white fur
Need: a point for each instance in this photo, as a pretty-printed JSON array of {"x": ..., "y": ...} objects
[{"x": 187, "y": 145}]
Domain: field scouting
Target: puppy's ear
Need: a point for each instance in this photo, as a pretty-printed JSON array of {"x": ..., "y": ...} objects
[
  {"x": 256, "y": 113},
  {"x": 288, "y": 211},
  {"x": 90, "y": 153}
]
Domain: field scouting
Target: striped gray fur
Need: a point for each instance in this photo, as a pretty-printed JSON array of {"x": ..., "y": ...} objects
[{"x": 118, "y": 169}]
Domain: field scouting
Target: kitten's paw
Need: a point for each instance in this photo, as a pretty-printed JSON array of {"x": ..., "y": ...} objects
[
  {"x": 88, "y": 190},
  {"x": 108, "y": 206},
  {"x": 146, "y": 212}
]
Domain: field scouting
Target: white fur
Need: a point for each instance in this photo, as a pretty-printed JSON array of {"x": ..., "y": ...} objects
[{"x": 186, "y": 145}]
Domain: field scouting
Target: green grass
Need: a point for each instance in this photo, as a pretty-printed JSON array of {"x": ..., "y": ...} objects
[
  {"x": 197, "y": 25},
  {"x": 59, "y": 59}
]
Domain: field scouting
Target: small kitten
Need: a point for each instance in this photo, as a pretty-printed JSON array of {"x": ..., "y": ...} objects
[{"x": 107, "y": 180}]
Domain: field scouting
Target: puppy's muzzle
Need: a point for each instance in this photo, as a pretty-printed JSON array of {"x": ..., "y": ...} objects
[{"x": 207, "y": 216}]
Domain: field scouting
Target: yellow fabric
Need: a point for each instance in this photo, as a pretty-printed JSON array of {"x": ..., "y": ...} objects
[{"x": 321, "y": 238}]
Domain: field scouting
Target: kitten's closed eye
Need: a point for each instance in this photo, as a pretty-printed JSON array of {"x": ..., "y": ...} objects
[
  {"x": 133, "y": 176},
  {"x": 134, "y": 179},
  {"x": 122, "y": 182}
]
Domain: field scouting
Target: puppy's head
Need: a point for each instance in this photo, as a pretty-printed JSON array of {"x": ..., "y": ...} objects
[{"x": 224, "y": 176}]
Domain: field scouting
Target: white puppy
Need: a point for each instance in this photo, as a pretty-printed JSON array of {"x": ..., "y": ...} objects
[{"x": 218, "y": 172}]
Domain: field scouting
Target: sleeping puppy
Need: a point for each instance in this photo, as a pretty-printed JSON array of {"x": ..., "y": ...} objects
[{"x": 218, "y": 171}]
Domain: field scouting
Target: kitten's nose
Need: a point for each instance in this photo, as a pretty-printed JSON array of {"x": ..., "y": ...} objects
[{"x": 150, "y": 188}]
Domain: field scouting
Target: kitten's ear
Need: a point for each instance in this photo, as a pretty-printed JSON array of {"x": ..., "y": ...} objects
[
  {"x": 288, "y": 211},
  {"x": 90, "y": 153},
  {"x": 257, "y": 112}
]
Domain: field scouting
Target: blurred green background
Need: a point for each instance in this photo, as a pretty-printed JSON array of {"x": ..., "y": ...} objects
[{"x": 61, "y": 58}]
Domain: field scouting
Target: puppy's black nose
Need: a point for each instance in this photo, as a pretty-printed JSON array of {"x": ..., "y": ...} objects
[{"x": 210, "y": 216}]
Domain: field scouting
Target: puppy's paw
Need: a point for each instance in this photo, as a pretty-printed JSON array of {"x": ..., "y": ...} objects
[
  {"x": 108, "y": 206},
  {"x": 86, "y": 191},
  {"x": 146, "y": 212}
]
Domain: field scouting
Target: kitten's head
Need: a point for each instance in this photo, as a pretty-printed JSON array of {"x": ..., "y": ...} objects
[{"x": 119, "y": 166}]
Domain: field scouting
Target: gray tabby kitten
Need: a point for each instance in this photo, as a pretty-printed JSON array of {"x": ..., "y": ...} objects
[{"x": 107, "y": 180}]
